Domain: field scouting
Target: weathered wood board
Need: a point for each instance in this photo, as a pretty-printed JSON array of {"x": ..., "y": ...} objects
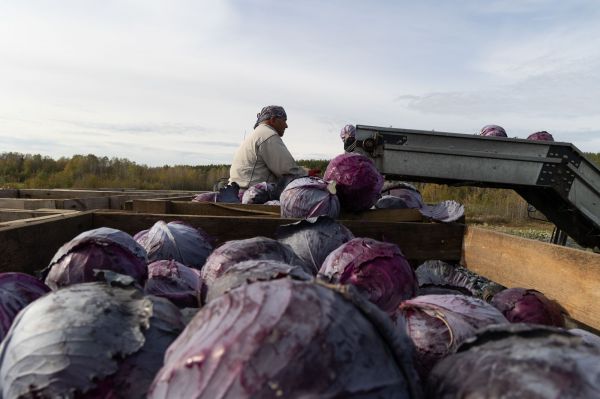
[
  {"x": 30, "y": 247},
  {"x": 22, "y": 203},
  {"x": 223, "y": 209},
  {"x": 9, "y": 215},
  {"x": 34, "y": 193},
  {"x": 80, "y": 200},
  {"x": 569, "y": 276},
  {"x": 26, "y": 248}
]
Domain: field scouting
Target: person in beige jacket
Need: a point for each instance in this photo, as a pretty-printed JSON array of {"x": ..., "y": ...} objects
[{"x": 263, "y": 157}]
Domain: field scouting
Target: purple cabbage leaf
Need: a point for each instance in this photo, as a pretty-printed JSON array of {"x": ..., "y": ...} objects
[
  {"x": 17, "y": 290},
  {"x": 177, "y": 241},
  {"x": 309, "y": 197},
  {"x": 540, "y": 136},
  {"x": 99, "y": 249},
  {"x": 251, "y": 271},
  {"x": 438, "y": 324},
  {"x": 436, "y": 276},
  {"x": 95, "y": 341},
  {"x": 210, "y": 196},
  {"x": 313, "y": 239},
  {"x": 378, "y": 269},
  {"x": 587, "y": 336},
  {"x": 359, "y": 183},
  {"x": 176, "y": 282},
  {"x": 519, "y": 361},
  {"x": 256, "y": 248},
  {"x": 287, "y": 338},
  {"x": 521, "y": 305},
  {"x": 259, "y": 193}
]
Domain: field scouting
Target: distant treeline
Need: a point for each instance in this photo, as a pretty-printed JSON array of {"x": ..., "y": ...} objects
[{"x": 89, "y": 171}]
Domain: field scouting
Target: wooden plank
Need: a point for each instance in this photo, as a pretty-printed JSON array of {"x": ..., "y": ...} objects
[
  {"x": 84, "y": 204},
  {"x": 151, "y": 206},
  {"x": 28, "y": 248},
  {"x": 119, "y": 201},
  {"x": 385, "y": 215},
  {"x": 419, "y": 241},
  {"x": 23, "y": 203},
  {"x": 25, "y": 221},
  {"x": 63, "y": 193},
  {"x": 569, "y": 276},
  {"x": 75, "y": 193},
  {"x": 7, "y": 215},
  {"x": 222, "y": 209},
  {"x": 9, "y": 193},
  {"x": 175, "y": 197}
]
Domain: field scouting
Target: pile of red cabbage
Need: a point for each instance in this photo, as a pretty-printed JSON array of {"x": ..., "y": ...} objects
[
  {"x": 401, "y": 198},
  {"x": 409, "y": 197},
  {"x": 358, "y": 181},
  {"x": 390, "y": 187},
  {"x": 521, "y": 305},
  {"x": 230, "y": 194},
  {"x": 98, "y": 249},
  {"x": 251, "y": 271},
  {"x": 313, "y": 239},
  {"x": 288, "y": 339},
  {"x": 439, "y": 277},
  {"x": 392, "y": 202},
  {"x": 177, "y": 241},
  {"x": 378, "y": 269},
  {"x": 257, "y": 248},
  {"x": 438, "y": 324},
  {"x": 541, "y": 136},
  {"x": 519, "y": 361},
  {"x": 493, "y": 130},
  {"x": 309, "y": 197},
  {"x": 175, "y": 281},
  {"x": 210, "y": 196},
  {"x": 87, "y": 340},
  {"x": 17, "y": 290},
  {"x": 259, "y": 193}
]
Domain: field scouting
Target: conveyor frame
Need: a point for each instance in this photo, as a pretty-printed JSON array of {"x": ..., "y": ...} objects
[{"x": 554, "y": 177}]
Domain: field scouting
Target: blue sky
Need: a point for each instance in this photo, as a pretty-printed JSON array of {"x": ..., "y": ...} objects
[{"x": 180, "y": 82}]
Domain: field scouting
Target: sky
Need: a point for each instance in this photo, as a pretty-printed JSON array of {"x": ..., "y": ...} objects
[{"x": 180, "y": 82}]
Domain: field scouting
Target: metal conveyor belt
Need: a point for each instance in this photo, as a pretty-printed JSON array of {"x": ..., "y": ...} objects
[{"x": 554, "y": 177}]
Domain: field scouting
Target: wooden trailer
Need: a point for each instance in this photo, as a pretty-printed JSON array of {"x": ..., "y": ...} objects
[{"x": 569, "y": 276}]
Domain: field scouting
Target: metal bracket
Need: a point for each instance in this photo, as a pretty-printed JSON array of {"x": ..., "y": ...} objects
[
  {"x": 565, "y": 154},
  {"x": 559, "y": 176},
  {"x": 370, "y": 144}
]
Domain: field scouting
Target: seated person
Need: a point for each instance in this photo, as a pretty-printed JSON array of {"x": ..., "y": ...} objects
[
  {"x": 348, "y": 134},
  {"x": 263, "y": 157}
]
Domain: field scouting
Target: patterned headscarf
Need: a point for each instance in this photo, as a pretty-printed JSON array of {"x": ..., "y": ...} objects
[
  {"x": 347, "y": 131},
  {"x": 268, "y": 112},
  {"x": 541, "y": 136},
  {"x": 493, "y": 130}
]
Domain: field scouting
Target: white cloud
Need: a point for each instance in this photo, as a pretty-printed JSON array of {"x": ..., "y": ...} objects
[{"x": 165, "y": 82}]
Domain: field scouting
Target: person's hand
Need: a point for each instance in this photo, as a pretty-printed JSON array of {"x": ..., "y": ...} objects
[{"x": 314, "y": 172}]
